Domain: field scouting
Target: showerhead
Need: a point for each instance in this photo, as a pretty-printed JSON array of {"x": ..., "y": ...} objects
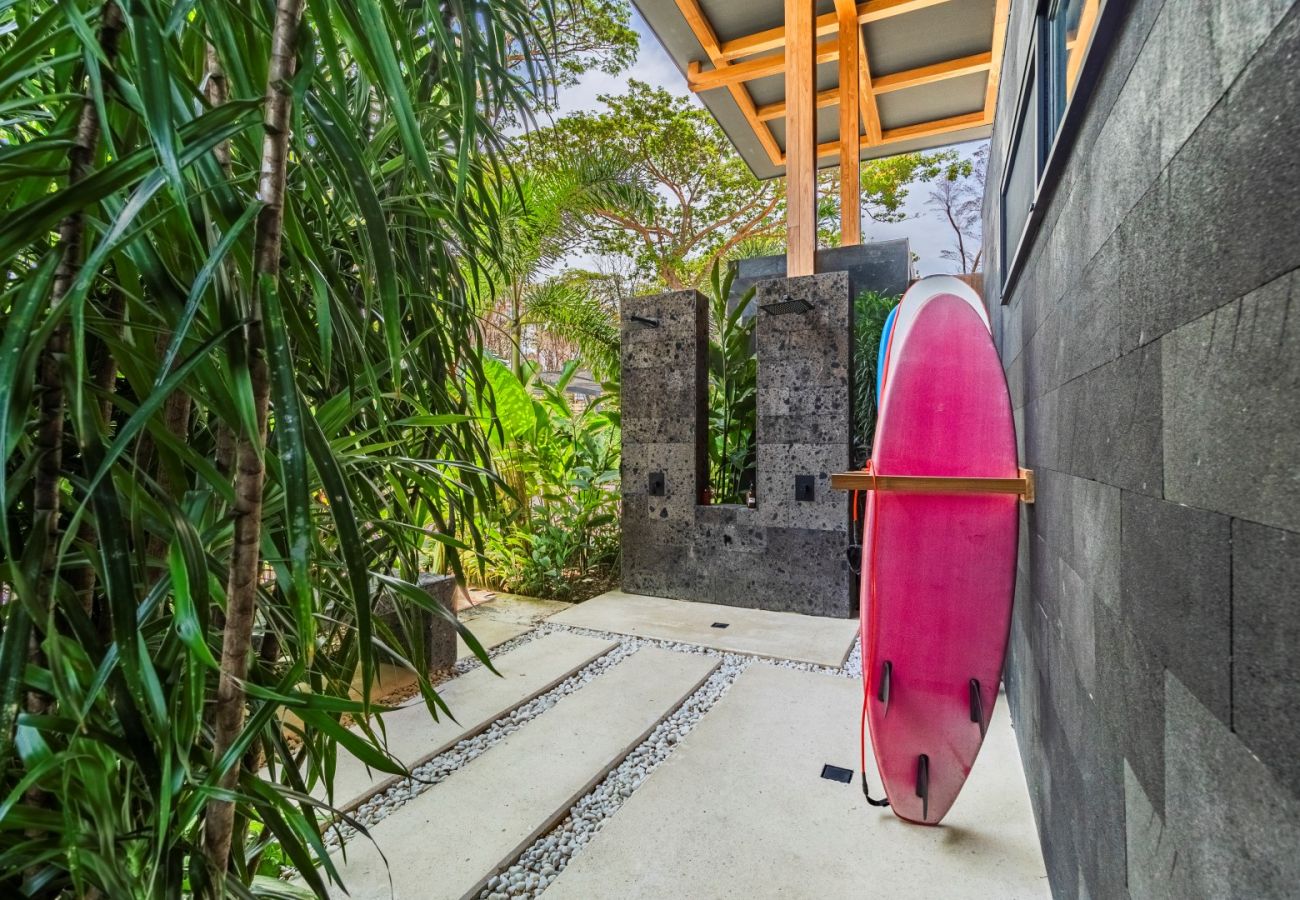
[{"x": 786, "y": 306}]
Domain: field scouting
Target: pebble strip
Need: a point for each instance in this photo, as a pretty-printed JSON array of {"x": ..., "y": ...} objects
[
  {"x": 539, "y": 865},
  {"x": 425, "y": 776}
]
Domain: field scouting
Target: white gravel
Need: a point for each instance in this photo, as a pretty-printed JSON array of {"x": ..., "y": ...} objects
[{"x": 539, "y": 865}]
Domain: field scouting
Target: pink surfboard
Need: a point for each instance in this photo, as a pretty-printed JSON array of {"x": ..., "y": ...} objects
[{"x": 938, "y": 569}]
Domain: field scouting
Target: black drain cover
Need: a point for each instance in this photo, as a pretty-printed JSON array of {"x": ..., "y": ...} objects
[
  {"x": 836, "y": 773},
  {"x": 720, "y": 625}
]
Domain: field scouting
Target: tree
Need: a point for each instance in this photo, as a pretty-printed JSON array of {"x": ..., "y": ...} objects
[
  {"x": 588, "y": 35},
  {"x": 706, "y": 201},
  {"x": 959, "y": 197},
  {"x": 885, "y": 186},
  {"x": 541, "y": 221},
  {"x": 296, "y": 255},
  {"x": 708, "y": 206}
]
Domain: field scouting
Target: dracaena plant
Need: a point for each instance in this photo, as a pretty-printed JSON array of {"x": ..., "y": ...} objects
[
  {"x": 240, "y": 394},
  {"x": 732, "y": 441}
]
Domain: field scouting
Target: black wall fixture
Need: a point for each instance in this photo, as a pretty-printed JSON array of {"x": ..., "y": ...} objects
[
  {"x": 804, "y": 488},
  {"x": 645, "y": 320},
  {"x": 655, "y": 485}
]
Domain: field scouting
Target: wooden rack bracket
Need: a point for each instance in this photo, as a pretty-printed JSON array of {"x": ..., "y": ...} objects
[{"x": 1022, "y": 485}]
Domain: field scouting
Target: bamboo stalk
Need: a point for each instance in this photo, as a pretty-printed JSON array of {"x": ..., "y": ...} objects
[
  {"x": 250, "y": 468},
  {"x": 49, "y": 388}
]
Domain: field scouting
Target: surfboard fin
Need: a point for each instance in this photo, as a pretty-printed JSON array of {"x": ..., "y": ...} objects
[
  {"x": 886, "y": 672},
  {"x": 976, "y": 705},
  {"x": 923, "y": 784}
]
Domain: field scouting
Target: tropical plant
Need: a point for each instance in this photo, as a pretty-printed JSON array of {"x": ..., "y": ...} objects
[
  {"x": 708, "y": 206},
  {"x": 539, "y": 223},
  {"x": 870, "y": 310},
  {"x": 733, "y": 390},
  {"x": 706, "y": 201},
  {"x": 239, "y": 395},
  {"x": 555, "y": 533}
]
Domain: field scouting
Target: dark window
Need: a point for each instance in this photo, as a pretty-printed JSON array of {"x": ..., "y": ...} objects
[
  {"x": 1022, "y": 171},
  {"x": 1062, "y": 33}
]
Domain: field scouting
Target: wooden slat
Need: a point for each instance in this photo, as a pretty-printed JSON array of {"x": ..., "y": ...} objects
[
  {"x": 750, "y": 69},
  {"x": 1000, "y": 12},
  {"x": 896, "y": 81},
  {"x": 704, "y": 33},
  {"x": 770, "y": 111},
  {"x": 870, "y": 111},
  {"x": 774, "y": 38},
  {"x": 1082, "y": 38},
  {"x": 1023, "y": 486},
  {"x": 952, "y": 68},
  {"x": 800, "y": 139},
  {"x": 849, "y": 90},
  {"x": 910, "y": 132}
]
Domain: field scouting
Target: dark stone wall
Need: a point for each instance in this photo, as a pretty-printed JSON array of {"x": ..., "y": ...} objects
[
  {"x": 881, "y": 266},
  {"x": 1152, "y": 347},
  {"x": 786, "y": 554}
]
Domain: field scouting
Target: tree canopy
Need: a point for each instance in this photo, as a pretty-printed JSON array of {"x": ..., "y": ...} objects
[{"x": 707, "y": 204}]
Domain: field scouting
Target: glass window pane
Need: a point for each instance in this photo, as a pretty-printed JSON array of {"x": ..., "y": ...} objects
[{"x": 1022, "y": 173}]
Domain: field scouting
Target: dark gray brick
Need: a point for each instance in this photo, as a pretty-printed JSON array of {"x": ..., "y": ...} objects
[
  {"x": 1131, "y": 700},
  {"x": 1235, "y": 827},
  {"x": 1109, "y": 426},
  {"x": 1232, "y": 407},
  {"x": 1224, "y": 217},
  {"x": 1175, "y": 581},
  {"x": 1265, "y": 638}
]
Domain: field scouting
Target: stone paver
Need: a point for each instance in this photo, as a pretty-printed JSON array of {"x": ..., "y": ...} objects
[
  {"x": 476, "y": 699},
  {"x": 490, "y": 633},
  {"x": 778, "y": 635},
  {"x": 739, "y": 810},
  {"x": 448, "y": 841}
]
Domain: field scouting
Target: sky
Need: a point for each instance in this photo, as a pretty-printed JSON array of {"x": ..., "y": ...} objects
[{"x": 928, "y": 234}]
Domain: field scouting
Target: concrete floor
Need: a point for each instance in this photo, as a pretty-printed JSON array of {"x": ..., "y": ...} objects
[
  {"x": 449, "y": 840},
  {"x": 494, "y": 617},
  {"x": 776, "y": 635},
  {"x": 740, "y": 811},
  {"x": 476, "y": 699}
]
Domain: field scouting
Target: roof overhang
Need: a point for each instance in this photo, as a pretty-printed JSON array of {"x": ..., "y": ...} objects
[{"x": 927, "y": 71}]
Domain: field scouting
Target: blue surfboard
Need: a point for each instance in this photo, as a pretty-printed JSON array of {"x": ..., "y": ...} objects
[{"x": 880, "y": 355}]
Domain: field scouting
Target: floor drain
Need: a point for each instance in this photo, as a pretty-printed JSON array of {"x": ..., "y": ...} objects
[
  {"x": 720, "y": 625},
  {"x": 836, "y": 773}
]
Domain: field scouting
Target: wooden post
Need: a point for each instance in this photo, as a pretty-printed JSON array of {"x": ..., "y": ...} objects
[
  {"x": 800, "y": 138},
  {"x": 850, "y": 165}
]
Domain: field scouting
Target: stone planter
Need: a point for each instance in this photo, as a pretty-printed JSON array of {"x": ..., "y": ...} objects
[{"x": 439, "y": 634}]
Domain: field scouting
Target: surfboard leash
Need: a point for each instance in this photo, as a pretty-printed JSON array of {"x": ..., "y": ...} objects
[{"x": 862, "y": 744}]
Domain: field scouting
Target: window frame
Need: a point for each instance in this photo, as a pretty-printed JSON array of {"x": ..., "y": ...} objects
[{"x": 1053, "y": 149}]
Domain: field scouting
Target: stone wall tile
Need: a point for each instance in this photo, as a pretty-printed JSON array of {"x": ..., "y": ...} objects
[
  {"x": 1232, "y": 407},
  {"x": 1266, "y": 646}
]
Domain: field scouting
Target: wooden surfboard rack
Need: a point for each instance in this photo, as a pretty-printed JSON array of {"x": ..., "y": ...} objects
[{"x": 1022, "y": 485}]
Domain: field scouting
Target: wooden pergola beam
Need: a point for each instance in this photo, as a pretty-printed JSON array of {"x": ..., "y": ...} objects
[
  {"x": 703, "y": 31},
  {"x": 770, "y": 111},
  {"x": 800, "y": 139},
  {"x": 850, "y": 84},
  {"x": 774, "y": 38},
  {"x": 1001, "y": 11},
  {"x": 910, "y": 132},
  {"x": 750, "y": 69},
  {"x": 940, "y": 71},
  {"x": 1079, "y": 46},
  {"x": 967, "y": 65},
  {"x": 867, "y": 94}
]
